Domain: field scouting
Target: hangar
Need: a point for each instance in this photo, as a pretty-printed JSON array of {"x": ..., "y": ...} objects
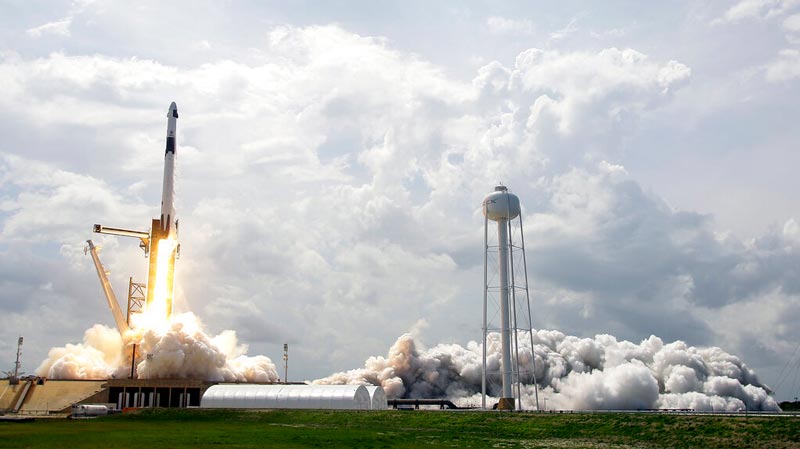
[{"x": 328, "y": 397}]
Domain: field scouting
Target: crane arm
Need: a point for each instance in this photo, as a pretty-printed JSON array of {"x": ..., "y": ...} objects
[{"x": 119, "y": 318}]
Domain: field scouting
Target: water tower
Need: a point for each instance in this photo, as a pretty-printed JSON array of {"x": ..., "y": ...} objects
[{"x": 506, "y": 301}]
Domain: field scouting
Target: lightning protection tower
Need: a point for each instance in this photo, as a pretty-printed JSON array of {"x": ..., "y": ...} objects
[{"x": 506, "y": 300}]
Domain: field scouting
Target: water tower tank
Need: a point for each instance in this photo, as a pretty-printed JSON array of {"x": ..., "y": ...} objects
[{"x": 501, "y": 205}]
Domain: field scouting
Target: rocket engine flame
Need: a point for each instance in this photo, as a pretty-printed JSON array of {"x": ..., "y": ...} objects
[{"x": 157, "y": 312}]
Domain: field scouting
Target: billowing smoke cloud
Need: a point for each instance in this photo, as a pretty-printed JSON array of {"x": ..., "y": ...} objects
[
  {"x": 182, "y": 350},
  {"x": 100, "y": 356},
  {"x": 572, "y": 374}
]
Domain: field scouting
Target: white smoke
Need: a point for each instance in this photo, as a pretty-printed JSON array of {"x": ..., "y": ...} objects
[
  {"x": 181, "y": 350},
  {"x": 572, "y": 374},
  {"x": 100, "y": 356}
]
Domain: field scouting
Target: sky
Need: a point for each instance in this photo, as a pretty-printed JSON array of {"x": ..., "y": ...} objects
[{"x": 332, "y": 159}]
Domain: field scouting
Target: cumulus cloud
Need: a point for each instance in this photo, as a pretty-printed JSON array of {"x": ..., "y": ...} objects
[
  {"x": 61, "y": 27},
  {"x": 572, "y": 374},
  {"x": 756, "y": 9},
  {"x": 785, "y": 68},
  {"x": 598, "y": 207},
  {"x": 792, "y": 23},
  {"x": 42, "y": 189}
]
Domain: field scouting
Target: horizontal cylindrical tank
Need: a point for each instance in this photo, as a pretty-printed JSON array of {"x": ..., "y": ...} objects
[
  {"x": 501, "y": 205},
  {"x": 325, "y": 397},
  {"x": 89, "y": 410}
]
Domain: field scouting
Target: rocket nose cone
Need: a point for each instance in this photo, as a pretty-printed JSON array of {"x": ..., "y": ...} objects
[{"x": 173, "y": 110}]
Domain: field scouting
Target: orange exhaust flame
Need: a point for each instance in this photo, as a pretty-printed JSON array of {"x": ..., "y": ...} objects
[{"x": 157, "y": 312}]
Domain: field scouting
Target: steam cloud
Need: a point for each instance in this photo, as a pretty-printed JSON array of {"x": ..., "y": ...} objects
[
  {"x": 182, "y": 350},
  {"x": 572, "y": 373}
]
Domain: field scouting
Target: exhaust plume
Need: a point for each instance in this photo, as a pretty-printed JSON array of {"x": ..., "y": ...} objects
[
  {"x": 572, "y": 374},
  {"x": 180, "y": 349}
]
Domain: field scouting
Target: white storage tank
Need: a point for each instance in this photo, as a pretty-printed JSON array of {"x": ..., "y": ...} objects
[
  {"x": 377, "y": 398},
  {"x": 325, "y": 397},
  {"x": 501, "y": 205},
  {"x": 89, "y": 410}
]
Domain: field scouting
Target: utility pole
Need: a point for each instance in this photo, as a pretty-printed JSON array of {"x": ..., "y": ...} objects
[{"x": 285, "y": 363}]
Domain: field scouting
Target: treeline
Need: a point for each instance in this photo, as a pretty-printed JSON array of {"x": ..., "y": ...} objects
[{"x": 787, "y": 406}]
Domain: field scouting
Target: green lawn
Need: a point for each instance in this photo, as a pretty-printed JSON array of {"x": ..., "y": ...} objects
[{"x": 172, "y": 428}]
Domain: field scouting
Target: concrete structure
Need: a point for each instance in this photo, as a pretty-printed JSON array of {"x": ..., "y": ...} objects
[
  {"x": 325, "y": 397},
  {"x": 40, "y": 396},
  {"x": 8, "y": 395},
  {"x": 164, "y": 393}
]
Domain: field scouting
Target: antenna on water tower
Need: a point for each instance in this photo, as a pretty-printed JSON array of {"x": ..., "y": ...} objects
[{"x": 504, "y": 207}]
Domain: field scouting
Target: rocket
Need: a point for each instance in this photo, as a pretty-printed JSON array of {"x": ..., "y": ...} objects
[
  {"x": 164, "y": 230},
  {"x": 168, "y": 226}
]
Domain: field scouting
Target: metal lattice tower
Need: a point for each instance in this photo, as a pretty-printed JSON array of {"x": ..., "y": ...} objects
[
  {"x": 137, "y": 294},
  {"x": 17, "y": 364}
]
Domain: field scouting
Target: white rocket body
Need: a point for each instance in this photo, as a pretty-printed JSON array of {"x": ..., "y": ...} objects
[
  {"x": 164, "y": 228},
  {"x": 169, "y": 223}
]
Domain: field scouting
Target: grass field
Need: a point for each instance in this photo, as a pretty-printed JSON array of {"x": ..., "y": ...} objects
[{"x": 173, "y": 428}]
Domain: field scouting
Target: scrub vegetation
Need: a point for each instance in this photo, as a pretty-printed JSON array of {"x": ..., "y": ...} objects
[{"x": 173, "y": 428}]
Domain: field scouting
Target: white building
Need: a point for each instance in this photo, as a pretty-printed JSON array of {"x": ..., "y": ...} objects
[
  {"x": 325, "y": 397},
  {"x": 377, "y": 398}
]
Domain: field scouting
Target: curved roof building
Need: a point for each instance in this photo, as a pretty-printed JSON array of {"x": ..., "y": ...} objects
[
  {"x": 326, "y": 397},
  {"x": 377, "y": 398}
]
